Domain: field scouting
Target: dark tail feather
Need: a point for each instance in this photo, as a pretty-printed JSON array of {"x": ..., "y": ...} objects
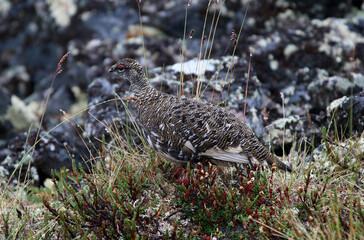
[
  {"x": 282, "y": 165},
  {"x": 261, "y": 153}
]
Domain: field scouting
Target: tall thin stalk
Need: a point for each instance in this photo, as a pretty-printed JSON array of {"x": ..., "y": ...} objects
[
  {"x": 142, "y": 35},
  {"x": 181, "y": 93},
  {"x": 247, "y": 81}
]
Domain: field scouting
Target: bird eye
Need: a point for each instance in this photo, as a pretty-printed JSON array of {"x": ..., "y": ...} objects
[{"x": 121, "y": 68}]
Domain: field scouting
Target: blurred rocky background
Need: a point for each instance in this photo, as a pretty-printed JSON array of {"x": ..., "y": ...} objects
[{"x": 308, "y": 54}]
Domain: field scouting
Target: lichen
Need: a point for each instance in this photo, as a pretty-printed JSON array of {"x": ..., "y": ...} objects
[
  {"x": 62, "y": 11},
  {"x": 3, "y": 172},
  {"x": 48, "y": 183},
  {"x": 35, "y": 174},
  {"x": 194, "y": 67},
  {"x": 5, "y": 6},
  {"x": 289, "y": 50},
  {"x": 335, "y": 104},
  {"x": 286, "y": 127},
  {"x": 342, "y": 84},
  {"x": 358, "y": 79},
  {"x": 20, "y": 115}
]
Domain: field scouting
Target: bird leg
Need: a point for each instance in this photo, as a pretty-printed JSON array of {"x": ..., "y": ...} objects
[{"x": 128, "y": 99}]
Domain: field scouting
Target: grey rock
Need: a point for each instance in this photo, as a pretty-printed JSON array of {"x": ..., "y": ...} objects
[
  {"x": 53, "y": 151},
  {"x": 324, "y": 89},
  {"x": 347, "y": 111},
  {"x": 284, "y": 131}
]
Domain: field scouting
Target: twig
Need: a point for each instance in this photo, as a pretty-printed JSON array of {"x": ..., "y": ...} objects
[
  {"x": 57, "y": 72},
  {"x": 284, "y": 121}
]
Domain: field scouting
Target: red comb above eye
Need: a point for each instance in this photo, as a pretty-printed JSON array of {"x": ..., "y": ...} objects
[{"x": 121, "y": 66}]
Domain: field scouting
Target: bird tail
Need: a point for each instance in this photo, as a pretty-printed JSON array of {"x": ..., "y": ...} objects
[
  {"x": 262, "y": 154},
  {"x": 280, "y": 164}
]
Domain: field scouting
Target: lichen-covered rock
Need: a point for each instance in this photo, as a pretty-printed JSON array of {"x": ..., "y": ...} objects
[
  {"x": 347, "y": 154},
  {"x": 284, "y": 131},
  {"x": 347, "y": 113},
  {"x": 62, "y": 11},
  {"x": 52, "y": 151},
  {"x": 324, "y": 89},
  {"x": 108, "y": 112},
  {"x": 22, "y": 116}
]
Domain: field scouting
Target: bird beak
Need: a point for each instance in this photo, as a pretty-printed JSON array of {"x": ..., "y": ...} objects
[{"x": 112, "y": 69}]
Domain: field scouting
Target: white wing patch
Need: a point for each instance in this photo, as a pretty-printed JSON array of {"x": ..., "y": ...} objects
[
  {"x": 232, "y": 154},
  {"x": 149, "y": 141},
  {"x": 188, "y": 145},
  {"x": 207, "y": 127},
  {"x": 155, "y": 134}
]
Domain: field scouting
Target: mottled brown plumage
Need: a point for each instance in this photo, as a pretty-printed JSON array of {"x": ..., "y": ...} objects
[{"x": 184, "y": 130}]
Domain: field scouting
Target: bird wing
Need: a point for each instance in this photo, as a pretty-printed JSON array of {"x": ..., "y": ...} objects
[{"x": 232, "y": 154}]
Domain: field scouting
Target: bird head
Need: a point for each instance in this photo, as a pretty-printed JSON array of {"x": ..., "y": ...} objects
[{"x": 128, "y": 69}]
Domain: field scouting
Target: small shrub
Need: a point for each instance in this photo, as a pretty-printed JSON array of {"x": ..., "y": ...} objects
[
  {"x": 114, "y": 202},
  {"x": 231, "y": 205}
]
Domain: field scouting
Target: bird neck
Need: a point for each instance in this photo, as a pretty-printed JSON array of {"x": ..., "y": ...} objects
[{"x": 143, "y": 90}]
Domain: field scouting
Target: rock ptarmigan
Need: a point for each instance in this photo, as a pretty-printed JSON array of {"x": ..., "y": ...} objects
[{"x": 185, "y": 130}]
